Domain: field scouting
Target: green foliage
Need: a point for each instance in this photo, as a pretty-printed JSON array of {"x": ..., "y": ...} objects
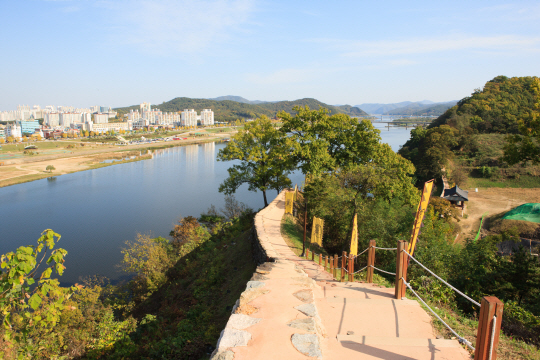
[
  {"x": 526, "y": 146},
  {"x": 263, "y": 152},
  {"x": 30, "y": 298},
  {"x": 323, "y": 143},
  {"x": 50, "y": 168}
]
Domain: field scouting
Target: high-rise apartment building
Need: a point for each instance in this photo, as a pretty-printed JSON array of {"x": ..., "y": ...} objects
[
  {"x": 101, "y": 118},
  {"x": 207, "y": 117},
  {"x": 51, "y": 119},
  {"x": 189, "y": 117},
  {"x": 145, "y": 107}
]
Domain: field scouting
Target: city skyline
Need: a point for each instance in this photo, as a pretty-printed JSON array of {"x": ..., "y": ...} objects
[{"x": 103, "y": 52}]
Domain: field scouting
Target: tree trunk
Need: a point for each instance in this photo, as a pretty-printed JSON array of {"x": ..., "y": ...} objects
[{"x": 265, "y": 201}]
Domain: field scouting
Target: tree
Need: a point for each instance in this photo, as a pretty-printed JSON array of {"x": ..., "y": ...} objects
[
  {"x": 64, "y": 135},
  {"x": 50, "y": 168},
  {"x": 526, "y": 146},
  {"x": 323, "y": 143},
  {"x": 31, "y": 298},
  {"x": 264, "y": 155},
  {"x": 2, "y": 140}
]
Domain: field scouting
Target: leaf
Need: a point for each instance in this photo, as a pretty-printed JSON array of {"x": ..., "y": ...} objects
[
  {"x": 34, "y": 301},
  {"x": 46, "y": 274}
]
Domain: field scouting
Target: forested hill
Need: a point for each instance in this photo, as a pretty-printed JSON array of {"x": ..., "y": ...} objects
[
  {"x": 417, "y": 109},
  {"x": 227, "y": 110},
  {"x": 495, "y": 109}
]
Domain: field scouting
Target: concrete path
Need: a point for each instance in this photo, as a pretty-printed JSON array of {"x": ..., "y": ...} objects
[{"x": 296, "y": 310}]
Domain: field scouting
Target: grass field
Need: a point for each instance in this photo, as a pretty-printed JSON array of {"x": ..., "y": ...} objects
[{"x": 524, "y": 181}]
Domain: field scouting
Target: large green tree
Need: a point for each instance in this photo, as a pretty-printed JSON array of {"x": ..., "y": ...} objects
[
  {"x": 263, "y": 152},
  {"x": 323, "y": 143}
]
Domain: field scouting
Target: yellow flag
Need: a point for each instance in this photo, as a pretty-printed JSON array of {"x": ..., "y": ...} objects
[
  {"x": 422, "y": 207},
  {"x": 317, "y": 231},
  {"x": 320, "y": 232},
  {"x": 354, "y": 237},
  {"x": 288, "y": 202}
]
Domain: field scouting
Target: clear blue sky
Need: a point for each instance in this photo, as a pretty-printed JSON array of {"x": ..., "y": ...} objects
[{"x": 123, "y": 52}]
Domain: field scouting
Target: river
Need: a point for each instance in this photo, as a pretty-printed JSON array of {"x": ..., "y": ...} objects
[{"x": 96, "y": 211}]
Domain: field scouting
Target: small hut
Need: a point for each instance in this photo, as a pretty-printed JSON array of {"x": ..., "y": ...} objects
[{"x": 456, "y": 196}]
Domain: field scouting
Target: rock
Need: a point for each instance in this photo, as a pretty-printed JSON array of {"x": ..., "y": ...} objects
[
  {"x": 305, "y": 295},
  {"x": 241, "y": 322},
  {"x": 232, "y": 338},
  {"x": 246, "y": 309},
  {"x": 307, "y": 309},
  {"x": 303, "y": 324},
  {"x": 307, "y": 344},
  {"x": 254, "y": 284},
  {"x": 223, "y": 355},
  {"x": 236, "y": 305},
  {"x": 350, "y": 332},
  {"x": 251, "y": 294}
]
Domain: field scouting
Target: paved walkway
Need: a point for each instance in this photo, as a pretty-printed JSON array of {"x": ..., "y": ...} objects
[{"x": 297, "y": 311}]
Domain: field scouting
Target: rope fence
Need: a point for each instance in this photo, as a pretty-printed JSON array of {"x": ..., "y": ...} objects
[{"x": 491, "y": 308}]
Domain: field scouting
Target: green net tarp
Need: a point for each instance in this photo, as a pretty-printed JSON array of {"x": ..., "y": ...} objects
[{"x": 526, "y": 212}]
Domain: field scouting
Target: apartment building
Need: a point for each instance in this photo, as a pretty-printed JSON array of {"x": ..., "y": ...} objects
[
  {"x": 207, "y": 117},
  {"x": 189, "y": 117},
  {"x": 52, "y": 119}
]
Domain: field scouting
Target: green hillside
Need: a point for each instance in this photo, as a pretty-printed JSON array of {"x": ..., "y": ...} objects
[
  {"x": 495, "y": 109},
  {"x": 227, "y": 110},
  {"x": 470, "y": 139},
  {"x": 423, "y": 110}
]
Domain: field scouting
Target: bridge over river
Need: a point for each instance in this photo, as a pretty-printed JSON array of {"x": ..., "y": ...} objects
[{"x": 294, "y": 309}]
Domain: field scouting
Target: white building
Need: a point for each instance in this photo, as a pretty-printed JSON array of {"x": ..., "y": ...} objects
[
  {"x": 145, "y": 106},
  {"x": 51, "y": 119},
  {"x": 207, "y": 117},
  {"x": 68, "y": 118},
  {"x": 100, "y": 118},
  {"x": 13, "y": 130},
  {"x": 101, "y": 128},
  {"x": 189, "y": 117}
]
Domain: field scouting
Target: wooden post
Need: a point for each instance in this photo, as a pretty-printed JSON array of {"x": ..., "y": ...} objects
[
  {"x": 371, "y": 261},
  {"x": 326, "y": 263},
  {"x": 401, "y": 257},
  {"x": 332, "y": 266},
  {"x": 488, "y": 327},
  {"x": 335, "y": 266},
  {"x": 312, "y": 256},
  {"x": 320, "y": 259},
  {"x": 343, "y": 262},
  {"x": 351, "y": 268},
  {"x": 307, "y": 253}
]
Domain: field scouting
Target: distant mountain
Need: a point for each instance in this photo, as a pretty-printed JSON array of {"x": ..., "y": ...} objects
[
  {"x": 238, "y": 99},
  {"x": 416, "y": 109},
  {"x": 375, "y": 108},
  {"x": 229, "y": 110},
  {"x": 407, "y": 107}
]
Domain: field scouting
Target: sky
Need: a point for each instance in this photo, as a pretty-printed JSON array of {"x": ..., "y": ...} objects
[{"x": 124, "y": 52}]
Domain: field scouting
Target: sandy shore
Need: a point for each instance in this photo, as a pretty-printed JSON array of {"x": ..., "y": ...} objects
[{"x": 87, "y": 157}]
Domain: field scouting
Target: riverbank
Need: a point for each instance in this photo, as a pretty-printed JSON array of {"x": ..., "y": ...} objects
[{"x": 73, "y": 155}]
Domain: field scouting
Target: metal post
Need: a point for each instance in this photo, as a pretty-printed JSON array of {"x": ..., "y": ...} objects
[
  {"x": 371, "y": 261},
  {"x": 489, "y": 327}
]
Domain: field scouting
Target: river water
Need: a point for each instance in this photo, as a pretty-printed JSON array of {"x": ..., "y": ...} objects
[{"x": 96, "y": 211}]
